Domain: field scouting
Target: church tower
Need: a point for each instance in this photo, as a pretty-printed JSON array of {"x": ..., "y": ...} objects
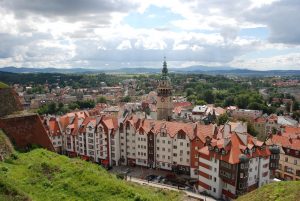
[{"x": 164, "y": 95}]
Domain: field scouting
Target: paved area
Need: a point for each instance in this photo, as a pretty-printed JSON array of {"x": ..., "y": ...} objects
[
  {"x": 138, "y": 174},
  {"x": 189, "y": 195},
  {"x": 142, "y": 172}
]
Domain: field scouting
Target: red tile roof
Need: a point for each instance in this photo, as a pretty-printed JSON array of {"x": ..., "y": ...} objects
[
  {"x": 53, "y": 128},
  {"x": 284, "y": 141},
  {"x": 234, "y": 146}
]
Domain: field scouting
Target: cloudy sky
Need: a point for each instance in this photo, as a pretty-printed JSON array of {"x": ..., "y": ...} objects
[{"x": 254, "y": 34}]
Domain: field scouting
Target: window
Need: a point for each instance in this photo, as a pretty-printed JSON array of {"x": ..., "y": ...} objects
[
  {"x": 169, "y": 142},
  {"x": 157, "y": 155},
  {"x": 180, "y": 136},
  {"x": 187, "y": 144},
  {"x": 241, "y": 175},
  {"x": 295, "y": 162},
  {"x": 175, "y": 147},
  {"x": 175, "y": 154},
  {"x": 215, "y": 179},
  {"x": 163, "y": 149},
  {"x": 163, "y": 141},
  {"x": 181, "y": 143},
  {"x": 157, "y": 148},
  {"x": 286, "y": 159}
]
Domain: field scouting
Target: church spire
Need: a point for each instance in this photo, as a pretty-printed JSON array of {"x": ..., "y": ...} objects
[{"x": 165, "y": 69}]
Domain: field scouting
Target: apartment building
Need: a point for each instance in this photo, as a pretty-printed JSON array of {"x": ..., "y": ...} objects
[
  {"x": 54, "y": 133},
  {"x": 226, "y": 160},
  {"x": 234, "y": 164},
  {"x": 289, "y": 163}
]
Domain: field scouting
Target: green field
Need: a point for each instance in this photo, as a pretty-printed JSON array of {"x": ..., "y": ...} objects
[
  {"x": 278, "y": 191},
  {"x": 43, "y": 175}
]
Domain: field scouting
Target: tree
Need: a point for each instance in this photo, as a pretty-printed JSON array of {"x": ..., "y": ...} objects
[
  {"x": 296, "y": 106},
  {"x": 101, "y": 99},
  {"x": 251, "y": 130},
  {"x": 200, "y": 102},
  {"x": 222, "y": 119},
  {"x": 126, "y": 99},
  {"x": 189, "y": 91},
  {"x": 209, "y": 97},
  {"x": 73, "y": 106}
]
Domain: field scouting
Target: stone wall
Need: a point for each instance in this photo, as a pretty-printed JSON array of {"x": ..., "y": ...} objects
[{"x": 25, "y": 131}]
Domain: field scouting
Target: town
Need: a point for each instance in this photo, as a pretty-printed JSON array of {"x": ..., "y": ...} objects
[{"x": 222, "y": 152}]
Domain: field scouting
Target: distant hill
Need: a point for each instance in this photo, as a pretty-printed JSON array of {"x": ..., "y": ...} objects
[
  {"x": 223, "y": 70},
  {"x": 277, "y": 191},
  {"x": 41, "y": 175}
]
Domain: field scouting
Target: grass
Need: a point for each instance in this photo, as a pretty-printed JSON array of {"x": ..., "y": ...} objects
[
  {"x": 2, "y": 85},
  {"x": 278, "y": 191},
  {"x": 6, "y": 148},
  {"x": 43, "y": 175}
]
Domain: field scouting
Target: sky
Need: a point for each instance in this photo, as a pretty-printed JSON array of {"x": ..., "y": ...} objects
[{"x": 106, "y": 34}]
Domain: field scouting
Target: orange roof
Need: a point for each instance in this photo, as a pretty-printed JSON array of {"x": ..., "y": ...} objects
[
  {"x": 235, "y": 147},
  {"x": 284, "y": 141},
  {"x": 53, "y": 127},
  {"x": 182, "y": 104}
]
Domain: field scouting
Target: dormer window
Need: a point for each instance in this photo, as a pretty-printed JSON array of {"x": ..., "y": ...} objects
[
  {"x": 181, "y": 136},
  {"x": 216, "y": 149},
  {"x": 210, "y": 148},
  {"x": 223, "y": 152},
  {"x": 163, "y": 134},
  {"x": 253, "y": 150}
]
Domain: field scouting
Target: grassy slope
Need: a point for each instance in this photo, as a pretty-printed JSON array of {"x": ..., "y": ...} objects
[
  {"x": 2, "y": 85},
  {"x": 43, "y": 175},
  {"x": 278, "y": 191}
]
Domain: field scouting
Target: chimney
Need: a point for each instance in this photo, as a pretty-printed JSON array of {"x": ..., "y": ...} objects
[
  {"x": 255, "y": 140},
  {"x": 226, "y": 141},
  {"x": 227, "y": 130}
]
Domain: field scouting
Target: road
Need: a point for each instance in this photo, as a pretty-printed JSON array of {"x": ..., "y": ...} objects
[{"x": 189, "y": 195}]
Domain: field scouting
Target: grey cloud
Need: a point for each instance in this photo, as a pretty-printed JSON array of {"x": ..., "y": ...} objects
[
  {"x": 10, "y": 43},
  {"x": 71, "y": 10},
  {"x": 282, "y": 18}
]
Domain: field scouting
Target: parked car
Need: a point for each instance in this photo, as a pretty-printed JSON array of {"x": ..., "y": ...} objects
[
  {"x": 159, "y": 179},
  {"x": 151, "y": 177}
]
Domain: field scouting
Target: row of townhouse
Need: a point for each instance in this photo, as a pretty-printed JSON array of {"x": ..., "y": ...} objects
[
  {"x": 225, "y": 160},
  {"x": 93, "y": 138}
]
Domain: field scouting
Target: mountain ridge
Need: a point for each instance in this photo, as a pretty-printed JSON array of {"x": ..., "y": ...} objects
[{"x": 191, "y": 69}]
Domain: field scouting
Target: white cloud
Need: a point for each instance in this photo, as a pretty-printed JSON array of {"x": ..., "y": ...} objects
[{"x": 93, "y": 34}]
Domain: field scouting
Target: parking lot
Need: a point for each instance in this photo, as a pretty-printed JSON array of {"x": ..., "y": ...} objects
[{"x": 155, "y": 176}]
